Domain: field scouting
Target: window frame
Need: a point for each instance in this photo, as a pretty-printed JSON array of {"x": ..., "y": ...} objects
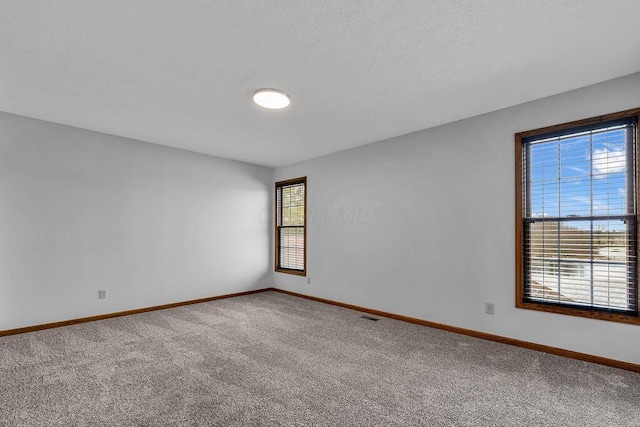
[
  {"x": 277, "y": 268},
  {"x": 521, "y": 182}
]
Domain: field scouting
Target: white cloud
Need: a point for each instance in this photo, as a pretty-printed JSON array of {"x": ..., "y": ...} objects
[
  {"x": 598, "y": 205},
  {"x": 609, "y": 161},
  {"x": 579, "y": 170}
]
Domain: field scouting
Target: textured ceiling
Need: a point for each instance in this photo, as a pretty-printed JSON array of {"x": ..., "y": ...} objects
[{"x": 181, "y": 73}]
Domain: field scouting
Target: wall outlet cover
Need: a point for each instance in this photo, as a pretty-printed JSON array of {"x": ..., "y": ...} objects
[{"x": 488, "y": 308}]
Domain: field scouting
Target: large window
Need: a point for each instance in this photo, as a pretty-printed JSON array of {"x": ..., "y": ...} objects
[
  {"x": 577, "y": 218},
  {"x": 291, "y": 235}
]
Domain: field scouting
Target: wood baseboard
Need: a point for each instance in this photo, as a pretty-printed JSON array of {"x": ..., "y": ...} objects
[
  {"x": 483, "y": 335},
  {"x": 123, "y": 313}
]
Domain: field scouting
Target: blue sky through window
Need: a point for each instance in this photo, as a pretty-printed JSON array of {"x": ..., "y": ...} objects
[{"x": 580, "y": 175}]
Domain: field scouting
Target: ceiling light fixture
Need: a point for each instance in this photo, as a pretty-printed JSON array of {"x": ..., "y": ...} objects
[{"x": 273, "y": 99}]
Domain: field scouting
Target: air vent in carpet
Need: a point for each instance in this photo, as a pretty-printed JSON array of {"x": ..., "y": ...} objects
[{"x": 370, "y": 318}]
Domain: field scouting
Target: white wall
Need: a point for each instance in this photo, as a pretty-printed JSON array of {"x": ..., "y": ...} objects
[
  {"x": 82, "y": 211},
  {"x": 423, "y": 225}
]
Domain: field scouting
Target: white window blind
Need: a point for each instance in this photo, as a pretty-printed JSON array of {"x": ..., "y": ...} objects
[
  {"x": 579, "y": 217},
  {"x": 290, "y": 225}
]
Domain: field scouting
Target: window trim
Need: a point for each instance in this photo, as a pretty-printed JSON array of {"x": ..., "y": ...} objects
[
  {"x": 630, "y": 318},
  {"x": 303, "y": 272}
]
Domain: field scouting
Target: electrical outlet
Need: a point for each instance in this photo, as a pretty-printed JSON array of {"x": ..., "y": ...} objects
[
  {"x": 102, "y": 294},
  {"x": 488, "y": 307},
  {"x": 308, "y": 280}
]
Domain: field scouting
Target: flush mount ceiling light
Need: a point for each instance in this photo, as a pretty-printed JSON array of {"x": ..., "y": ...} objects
[{"x": 273, "y": 99}]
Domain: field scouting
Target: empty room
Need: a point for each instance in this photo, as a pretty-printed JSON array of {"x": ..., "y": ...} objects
[{"x": 320, "y": 213}]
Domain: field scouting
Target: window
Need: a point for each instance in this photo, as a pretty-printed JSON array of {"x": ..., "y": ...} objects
[
  {"x": 291, "y": 233},
  {"x": 577, "y": 218}
]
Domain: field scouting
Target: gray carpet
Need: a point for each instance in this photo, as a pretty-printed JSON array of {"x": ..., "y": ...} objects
[{"x": 274, "y": 359}]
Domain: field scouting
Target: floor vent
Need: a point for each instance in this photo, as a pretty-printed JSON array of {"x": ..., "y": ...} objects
[{"x": 370, "y": 318}]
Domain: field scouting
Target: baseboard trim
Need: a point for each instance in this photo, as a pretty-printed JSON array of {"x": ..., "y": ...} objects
[
  {"x": 123, "y": 313},
  {"x": 477, "y": 334}
]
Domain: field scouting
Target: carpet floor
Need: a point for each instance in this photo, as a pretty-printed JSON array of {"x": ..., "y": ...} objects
[{"x": 275, "y": 359}]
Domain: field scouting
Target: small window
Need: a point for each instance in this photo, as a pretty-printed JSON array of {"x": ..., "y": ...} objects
[
  {"x": 291, "y": 234},
  {"x": 577, "y": 218}
]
